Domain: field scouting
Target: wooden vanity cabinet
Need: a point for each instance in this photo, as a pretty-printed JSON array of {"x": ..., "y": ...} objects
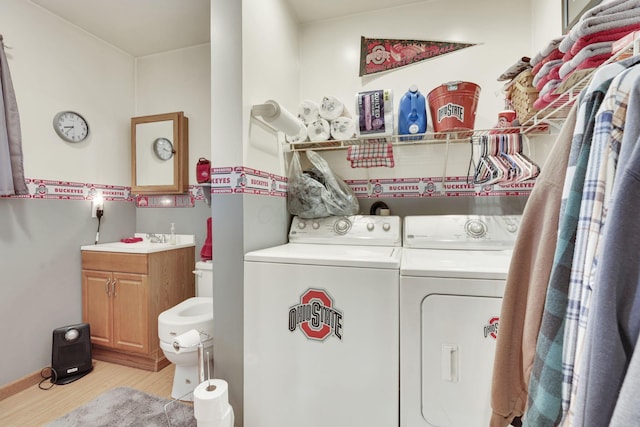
[{"x": 122, "y": 296}]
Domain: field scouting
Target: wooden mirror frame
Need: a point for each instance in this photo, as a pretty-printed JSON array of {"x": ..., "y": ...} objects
[{"x": 180, "y": 141}]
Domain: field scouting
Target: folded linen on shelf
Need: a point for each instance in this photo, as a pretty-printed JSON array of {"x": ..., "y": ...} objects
[
  {"x": 544, "y": 71},
  {"x": 600, "y": 23},
  {"x": 545, "y": 51},
  {"x": 370, "y": 155},
  {"x": 550, "y": 87},
  {"x": 602, "y": 49},
  {"x": 611, "y": 35},
  {"x": 553, "y": 55}
]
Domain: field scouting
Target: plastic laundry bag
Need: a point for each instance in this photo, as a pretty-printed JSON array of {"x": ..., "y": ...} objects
[{"x": 318, "y": 193}]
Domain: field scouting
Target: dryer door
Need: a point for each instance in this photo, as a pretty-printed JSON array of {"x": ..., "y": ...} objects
[{"x": 458, "y": 335}]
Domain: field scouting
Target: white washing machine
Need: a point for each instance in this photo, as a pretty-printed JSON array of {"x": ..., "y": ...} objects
[
  {"x": 452, "y": 279},
  {"x": 321, "y": 325}
]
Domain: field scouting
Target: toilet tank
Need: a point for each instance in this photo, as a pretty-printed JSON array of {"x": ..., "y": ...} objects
[{"x": 204, "y": 278}]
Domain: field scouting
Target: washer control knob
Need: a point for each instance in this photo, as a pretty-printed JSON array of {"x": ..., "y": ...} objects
[
  {"x": 512, "y": 228},
  {"x": 475, "y": 228},
  {"x": 370, "y": 226},
  {"x": 302, "y": 225},
  {"x": 386, "y": 226},
  {"x": 342, "y": 226},
  {"x": 315, "y": 225}
]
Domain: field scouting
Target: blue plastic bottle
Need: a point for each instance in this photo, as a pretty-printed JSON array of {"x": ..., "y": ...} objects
[{"x": 412, "y": 114}]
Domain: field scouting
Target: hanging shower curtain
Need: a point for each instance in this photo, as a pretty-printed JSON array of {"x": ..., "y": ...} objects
[{"x": 11, "y": 170}]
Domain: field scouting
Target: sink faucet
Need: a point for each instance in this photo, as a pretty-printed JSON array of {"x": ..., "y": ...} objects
[{"x": 156, "y": 238}]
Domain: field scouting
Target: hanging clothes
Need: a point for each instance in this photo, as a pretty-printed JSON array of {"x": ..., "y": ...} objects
[
  {"x": 11, "y": 162},
  {"x": 526, "y": 284},
  {"x": 546, "y": 406},
  {"x": 615, "y": 299},
  {"x": 610, "y": 129}
]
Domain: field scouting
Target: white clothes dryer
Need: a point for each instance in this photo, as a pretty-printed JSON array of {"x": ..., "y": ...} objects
[
  {"x": 321, "y": 325},
  {"x": 452, "y": 279}
]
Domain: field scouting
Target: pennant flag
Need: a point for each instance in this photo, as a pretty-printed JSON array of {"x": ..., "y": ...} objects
[{"x": 377, "y": 55}]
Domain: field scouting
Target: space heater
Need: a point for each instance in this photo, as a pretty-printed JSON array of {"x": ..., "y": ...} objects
[{"x": 71, "y": 353}]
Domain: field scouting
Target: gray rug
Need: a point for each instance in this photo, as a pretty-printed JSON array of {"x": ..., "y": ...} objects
[{"x": 123, "y": 407}]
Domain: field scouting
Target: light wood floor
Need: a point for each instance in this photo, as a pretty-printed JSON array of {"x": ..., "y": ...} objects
[{"x": 35, "y": 407}]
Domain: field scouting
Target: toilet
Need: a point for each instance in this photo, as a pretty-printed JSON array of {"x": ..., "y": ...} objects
[{"x": 192, "y": 313}]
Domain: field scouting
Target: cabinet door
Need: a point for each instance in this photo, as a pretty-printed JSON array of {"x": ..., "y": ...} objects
[
  {"x": 96, "y": 305},
  {"x": 131, "y": 313}
]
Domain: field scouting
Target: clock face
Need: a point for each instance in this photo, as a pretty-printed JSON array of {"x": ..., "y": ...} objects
[
  {"x": 71, "y": 126},
  {"x": 163, "y": 148}
]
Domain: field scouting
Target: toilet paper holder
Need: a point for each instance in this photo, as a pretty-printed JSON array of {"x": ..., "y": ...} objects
[{"x": 204, "y": 337}]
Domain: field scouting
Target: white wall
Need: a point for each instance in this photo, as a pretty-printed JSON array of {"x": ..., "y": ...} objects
[
  {"x": 54, "y": 67},
  {"x": 546, "y": 17},
  {"x": 270, "y": 71},
  {"x": 179, "y": 80}
]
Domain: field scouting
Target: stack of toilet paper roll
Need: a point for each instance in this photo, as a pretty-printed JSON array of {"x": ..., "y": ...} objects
[
  {"x": 211, "y": 404},
  {"x": 329, "y": 119}
]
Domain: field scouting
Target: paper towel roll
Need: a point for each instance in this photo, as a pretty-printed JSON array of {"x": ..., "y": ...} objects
[
  {"x": 300, "y": 137},
  {"x": 281, "y": 119},
  {"x": 320, "y": 130},
  {"x": 343, "y": 128},
  {"x": 331, "y": 108},
  {"x": 308, "y": 111},
  {"x": 188, "y": 339},
  {"x": 211, "y": 403}
]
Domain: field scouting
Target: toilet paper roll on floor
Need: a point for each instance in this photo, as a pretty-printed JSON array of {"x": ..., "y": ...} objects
[
  {"x": 211, "y": 404},
  {"x": 188, "y": 339}
]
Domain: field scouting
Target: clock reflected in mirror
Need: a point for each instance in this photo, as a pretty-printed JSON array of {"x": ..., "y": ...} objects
[{"x": 71, "y": 126}]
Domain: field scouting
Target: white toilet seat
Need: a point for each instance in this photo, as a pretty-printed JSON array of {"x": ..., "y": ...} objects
[{"x": 192, "y": 313}]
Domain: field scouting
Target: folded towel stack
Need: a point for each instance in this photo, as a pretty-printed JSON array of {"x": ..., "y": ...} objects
[{"x": 587, "y": 45}]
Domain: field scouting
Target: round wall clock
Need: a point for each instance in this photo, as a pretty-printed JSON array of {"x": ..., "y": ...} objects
[
  {"x": 71, "y": 126},
  {"x": 163, "y": 148}
]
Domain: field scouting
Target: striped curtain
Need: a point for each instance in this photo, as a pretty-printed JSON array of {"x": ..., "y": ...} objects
[{"x": 11, "y": 169}]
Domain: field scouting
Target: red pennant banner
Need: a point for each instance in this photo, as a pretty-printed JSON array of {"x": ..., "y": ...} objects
[{"x": 378, "y": 55}]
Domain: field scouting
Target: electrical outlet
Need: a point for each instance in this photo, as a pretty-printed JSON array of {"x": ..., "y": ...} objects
[{"x": 96, "y": 203}]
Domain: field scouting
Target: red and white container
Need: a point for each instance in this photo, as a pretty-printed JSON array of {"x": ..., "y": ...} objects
[{"x": 453, "y": 106}]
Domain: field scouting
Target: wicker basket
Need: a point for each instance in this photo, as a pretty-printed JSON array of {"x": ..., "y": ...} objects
[{"x": 522, "y": 94}]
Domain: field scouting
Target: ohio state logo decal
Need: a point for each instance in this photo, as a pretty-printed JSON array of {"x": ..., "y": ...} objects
[
  {"x": 491, "y": 328},
  {"x": 316, "y": 316}
]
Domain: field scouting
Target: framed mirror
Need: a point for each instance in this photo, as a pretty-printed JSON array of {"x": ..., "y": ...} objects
[
  {"x": 159, "y": 154},
  {"x": 572, "y": 10}
]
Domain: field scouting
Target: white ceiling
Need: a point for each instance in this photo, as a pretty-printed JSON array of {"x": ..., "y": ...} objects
[{"x": 145, "y": 27}]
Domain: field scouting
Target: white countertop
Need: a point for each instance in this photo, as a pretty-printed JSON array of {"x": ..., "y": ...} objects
[{"x": 143, "y": 247}]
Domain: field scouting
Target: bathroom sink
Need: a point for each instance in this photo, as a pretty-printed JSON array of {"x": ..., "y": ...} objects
[{"x": 143, "y": 247}]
